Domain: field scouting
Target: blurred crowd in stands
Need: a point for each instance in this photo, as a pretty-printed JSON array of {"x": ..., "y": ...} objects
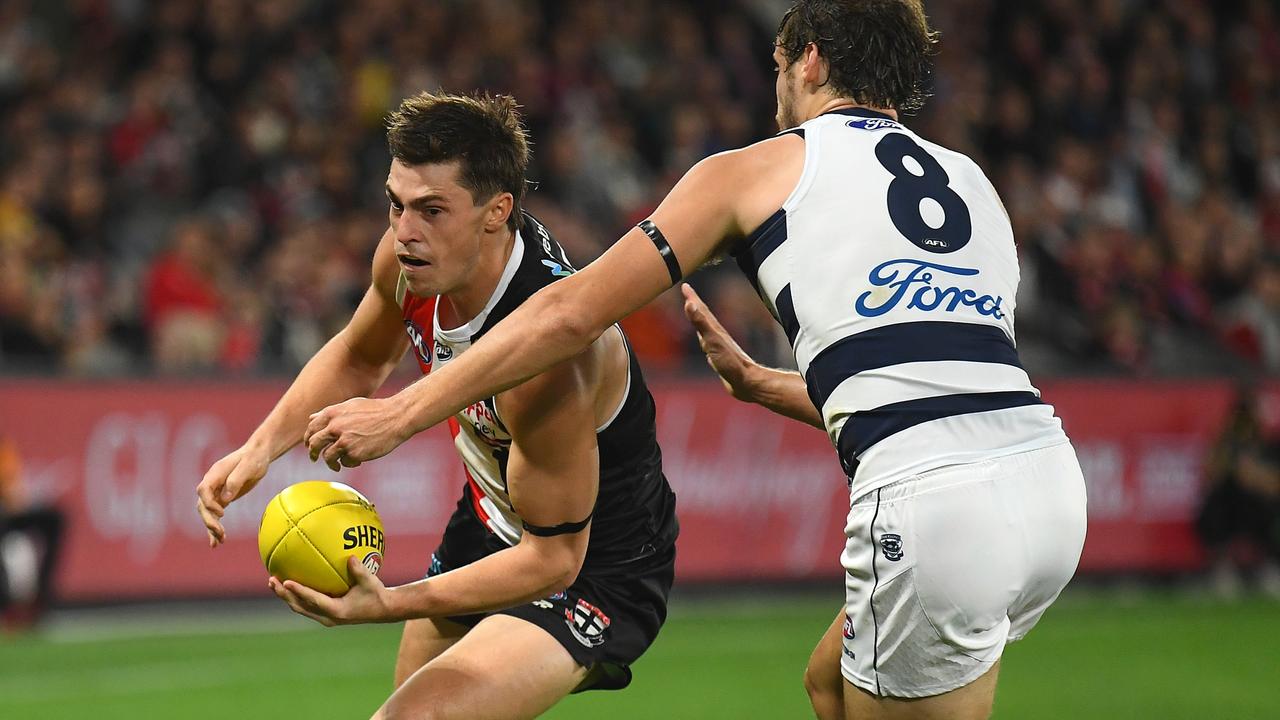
[{"x": 196, "y": 185}]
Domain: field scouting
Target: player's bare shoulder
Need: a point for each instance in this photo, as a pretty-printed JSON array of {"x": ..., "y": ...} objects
[
  {"x": 757, "y": 179},
  {"x": 386, "y": 271}
]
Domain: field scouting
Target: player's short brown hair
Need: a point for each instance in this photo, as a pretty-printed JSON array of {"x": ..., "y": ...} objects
[
  {"x": 483, "y": 132},
  {"x": 879, "y": 51}
]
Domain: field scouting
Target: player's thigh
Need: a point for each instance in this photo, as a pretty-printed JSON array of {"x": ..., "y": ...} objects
[
  {"x": 822, "y": 679},
  {"x": 503, "y": 669},
  {"x": 971, "y": 702},
  {"x": 423, "y": 641}
]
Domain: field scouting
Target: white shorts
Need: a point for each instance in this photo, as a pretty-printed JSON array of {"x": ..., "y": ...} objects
[{"x": 946, "y": 567}]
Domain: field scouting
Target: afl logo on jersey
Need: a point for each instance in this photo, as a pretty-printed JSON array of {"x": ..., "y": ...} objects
[{"x": 444, "y": 353}]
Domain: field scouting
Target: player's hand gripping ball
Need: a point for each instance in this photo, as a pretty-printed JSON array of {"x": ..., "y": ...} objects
[{"x": 310, "y": 529}]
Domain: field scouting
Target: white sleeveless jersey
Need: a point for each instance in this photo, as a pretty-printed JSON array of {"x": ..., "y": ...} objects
[{"x": 892, "y": 270}]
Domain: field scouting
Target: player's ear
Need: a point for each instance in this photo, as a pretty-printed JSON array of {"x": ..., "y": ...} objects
[
  {"x": 498, "y": 210},
  {"x": 814, "y": 68}
]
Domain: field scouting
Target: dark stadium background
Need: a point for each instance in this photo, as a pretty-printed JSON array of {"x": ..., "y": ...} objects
[{"x": 189, "y": 196}]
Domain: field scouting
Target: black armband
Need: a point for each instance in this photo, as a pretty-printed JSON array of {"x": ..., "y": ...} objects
[
  {"x": 664, "y": 249},
  {"x": 568, "y": 528}
]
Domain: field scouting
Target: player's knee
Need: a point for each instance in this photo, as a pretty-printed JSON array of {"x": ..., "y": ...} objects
[
  {"x": 822, "y": 692},
  {"x": 409, "y": 711}
]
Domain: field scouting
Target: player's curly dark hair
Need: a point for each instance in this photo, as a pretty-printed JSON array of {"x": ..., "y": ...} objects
[
  {"x": 879, "y": 51},
  {"x": 483, "y": 132}
]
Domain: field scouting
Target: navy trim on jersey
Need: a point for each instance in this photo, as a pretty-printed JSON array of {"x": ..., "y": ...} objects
[
  {"x": 793, "y": 131},
  {"x": 859, "y": 112},
  {"x": 787, "y": 314},
  {"x": 866, "y": 428},
  {"x": 906, "y": 343},
  {"x": 760, "y": 244}
]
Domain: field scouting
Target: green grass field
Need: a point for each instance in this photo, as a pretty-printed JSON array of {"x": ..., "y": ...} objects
[{"x": 1093, "y": 656}]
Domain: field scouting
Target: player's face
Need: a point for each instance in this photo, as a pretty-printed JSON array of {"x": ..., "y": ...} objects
[
  {"x": 785, "y": 86},
  {"x": 437, "y": 225}
]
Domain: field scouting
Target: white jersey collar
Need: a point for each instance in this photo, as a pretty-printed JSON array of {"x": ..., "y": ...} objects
[{"x": 463, "y": 333}]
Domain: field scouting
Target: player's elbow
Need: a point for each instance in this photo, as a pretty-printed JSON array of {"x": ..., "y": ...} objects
[
  {"x": 571, "y": 324},
  {"x": 566, "y": 574},
  {"x": 562, "y": 567}
]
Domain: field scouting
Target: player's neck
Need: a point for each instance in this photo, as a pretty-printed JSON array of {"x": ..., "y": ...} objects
[
  {"x": 468, "y": 300},
  {"x": 822, "y": 106}
]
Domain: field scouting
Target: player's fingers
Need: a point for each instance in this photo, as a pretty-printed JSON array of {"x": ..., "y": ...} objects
[
  {"x": 316, "y": 424},
  {"x": 211, "y": 523},
  {"x": 314, "y": 603},
  {"x": 320, "y": 440},
  {"x": 242, "y": 474},
  {"x": 333, "y": 454},
  {"x": 359, "y": 572},
  {"x": 704, "y": 321},
  {"x": 207, "y": 491},
  {"x": 211, "y": 506},
  {"x": 348, "y": 461},
  {"x": 295, "y": 605}
]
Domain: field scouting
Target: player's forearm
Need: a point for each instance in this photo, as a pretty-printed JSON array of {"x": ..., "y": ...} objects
[
  {"x": 333, "y": 375},
  {"x": 536, "y": 336},
  {"x": 504, "y": 579},
  {"x": 784, "y": 392}
]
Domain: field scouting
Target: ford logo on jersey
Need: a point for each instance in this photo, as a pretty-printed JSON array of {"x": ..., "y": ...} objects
[
  {"x": 872, "y": 124},
  {"x": 913, "y": 281}
]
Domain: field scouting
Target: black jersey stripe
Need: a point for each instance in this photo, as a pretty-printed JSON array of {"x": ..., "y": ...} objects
[
  {"x": 866, "y": 428},
  {"x": 787, "y": 314},
  {"x": 760, "y": 244},
  {"x": 888, "y": 345}
]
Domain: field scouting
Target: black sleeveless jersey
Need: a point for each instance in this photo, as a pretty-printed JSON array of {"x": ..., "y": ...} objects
[{"x": 634, "y": 515}]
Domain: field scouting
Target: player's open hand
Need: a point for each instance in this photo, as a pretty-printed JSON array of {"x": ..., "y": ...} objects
[
  {"x": 355, "y": 431},
  {"x": 724, "y": 355},
  {"x": 365, "y": 602},
  {"x": 228, "y": 479}
]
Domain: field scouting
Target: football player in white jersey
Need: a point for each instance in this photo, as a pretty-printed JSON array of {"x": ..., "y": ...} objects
[{"x": 889, "y": 262}]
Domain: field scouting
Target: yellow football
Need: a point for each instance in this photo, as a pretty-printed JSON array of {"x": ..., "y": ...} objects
[{"x": 310, "y": 529}]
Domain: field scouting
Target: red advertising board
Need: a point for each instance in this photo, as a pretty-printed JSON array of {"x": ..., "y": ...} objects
[{"x": 759, "y": 496}]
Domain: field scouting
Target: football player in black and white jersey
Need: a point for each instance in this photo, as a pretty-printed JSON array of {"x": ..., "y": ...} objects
[
  {"x": 890, "y": 264},
  {"x": 554, "y": 570}
]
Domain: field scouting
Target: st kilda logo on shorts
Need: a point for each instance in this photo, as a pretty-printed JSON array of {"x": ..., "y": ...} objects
[
  {"x": 587, "y": 623},
  {"x": 891, "y": 546}
]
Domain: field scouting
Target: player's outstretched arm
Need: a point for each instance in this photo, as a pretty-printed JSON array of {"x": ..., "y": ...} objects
[
  {"x": 782, "y": 391},
  {"x": 711, "y": 204},
  {"x": 354, "y": 362},
  {"x": 552, "y": 477}
]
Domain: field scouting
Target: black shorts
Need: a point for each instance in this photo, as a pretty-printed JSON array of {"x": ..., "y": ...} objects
[{"x": 606, "y": 619}]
